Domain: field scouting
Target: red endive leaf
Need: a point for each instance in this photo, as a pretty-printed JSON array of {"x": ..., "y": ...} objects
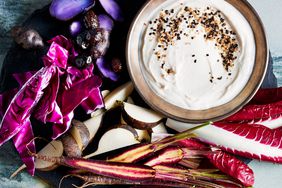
[{"x": 22, "y": 78}]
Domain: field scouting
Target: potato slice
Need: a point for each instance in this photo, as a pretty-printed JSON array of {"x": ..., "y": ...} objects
[
  {"x": 160, "y": 128},
  {"x": 119, "y": 94},
  {"x": 114, "y": 139},
  {"x": 140, "y": 118},
  {"x": 143, "y": 135}
]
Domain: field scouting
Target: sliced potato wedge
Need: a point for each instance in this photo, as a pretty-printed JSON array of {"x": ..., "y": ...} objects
[
  {"x": 160, "y": 128},
  {"x": 140, "y": 118},
  {"x": 119, "y": 94},
  {"x": 114, "y": 139}
]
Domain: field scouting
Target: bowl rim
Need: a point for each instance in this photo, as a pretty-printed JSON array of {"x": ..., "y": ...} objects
[{"x": 216, "y": 113}]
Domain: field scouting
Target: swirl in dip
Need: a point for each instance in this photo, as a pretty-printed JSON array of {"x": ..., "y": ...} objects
[{"x": 197, "y": 54}]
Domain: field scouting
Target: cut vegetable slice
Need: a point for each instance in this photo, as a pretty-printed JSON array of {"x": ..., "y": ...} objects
[
  {"x": 114, "y": 139},
  {"x": 119, "y": 94},
  {"x": 142, "y": 135},
  {"x": 100, "y": 111},
  {"x": 93, "y": 125},
  {"x": 80, "y": 133},
  {"x": 160, "y": 128},
  {"x": 140, "y": 118},
  {"x": 53, "y": 149}
]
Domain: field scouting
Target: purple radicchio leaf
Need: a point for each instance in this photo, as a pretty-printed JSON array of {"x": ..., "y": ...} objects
[
  {"x": 71, "y": 98},
  {"x": 5, "y": 100},
  {"x": 57, "y": 56},
  {"x": 67, "y": 9},
  {"x": 22, "y": 78},
  {"x": 47, "y": 109},
  {"x": 64, "y": 43},
  {"x": 6, "y": 97},
  {"x": 23, "y": 104},
  {"x": 60, "y": 51},
  {"x": 76, "y": 75},
  {"x": 93, "y": 102},
  {"x": 22, "y": 140},
  {"x": 106, "y": 69},
  {"x": 106, "y": 22},
  {"x": 61, "y": 128},
  {"x": 112, "y": 8}
]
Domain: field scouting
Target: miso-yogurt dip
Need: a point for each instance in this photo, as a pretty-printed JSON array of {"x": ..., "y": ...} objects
[{"x": 197, "y": 54}]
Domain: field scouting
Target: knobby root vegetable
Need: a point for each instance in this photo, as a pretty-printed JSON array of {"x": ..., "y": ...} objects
[
  {"x": 27, "y": 38},
  {"x": 80, "y": 133},
  {"x": 71, "y": 147}
]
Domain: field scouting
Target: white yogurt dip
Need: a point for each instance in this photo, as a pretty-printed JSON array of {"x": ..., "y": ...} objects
[{"x": 197, "y": 54}]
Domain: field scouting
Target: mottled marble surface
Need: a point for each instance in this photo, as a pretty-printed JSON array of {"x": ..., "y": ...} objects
[{"x": 13, "y": 12}]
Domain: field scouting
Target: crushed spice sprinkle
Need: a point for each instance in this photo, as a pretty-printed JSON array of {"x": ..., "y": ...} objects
[{"x": 167, "y": 28}]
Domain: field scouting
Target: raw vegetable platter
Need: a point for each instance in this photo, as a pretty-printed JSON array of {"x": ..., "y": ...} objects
[{"x": 242, "y": 127}]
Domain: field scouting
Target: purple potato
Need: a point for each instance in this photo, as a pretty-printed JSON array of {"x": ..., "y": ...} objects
[
  {"x": 75, "y": 28},
  {"x": 67, "y": 9}
]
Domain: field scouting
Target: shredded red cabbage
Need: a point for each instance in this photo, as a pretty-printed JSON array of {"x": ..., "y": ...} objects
[
  {"x": 93, "y": 102},
  {"x": 22, "y": 141},
  {"x": 5, "y": 100},
  {"x": 50, "y": 95},
  {"x": 47, "y": 109}
]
